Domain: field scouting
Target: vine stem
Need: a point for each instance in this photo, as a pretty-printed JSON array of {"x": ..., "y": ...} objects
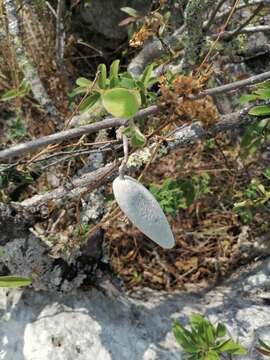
[{"x": 122, "y": 167}]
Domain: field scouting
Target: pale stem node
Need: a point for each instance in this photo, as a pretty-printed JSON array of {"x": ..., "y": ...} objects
[{"x": 122, "y": 167}]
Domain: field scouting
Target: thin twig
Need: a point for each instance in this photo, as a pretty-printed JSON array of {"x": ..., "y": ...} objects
[
  {"x": 248, "y": 30},
  {"x": 245, "y": 23},
  {"x": 51, "y": 9},
  {"x": 243, "y": 6},
  {"x": 236, "y": 85},
  {"x": 183, "y": 136},
  {"x": 115, "y": 122},
  {"x": 122, "y": 168},
  {"x": 70, "y": 134},
  {"x": 60, "y": 34},
  {"x": 74, "y": 154},
  {"x": 206, "y": 58},
  {"x": 208, "y": 24}
]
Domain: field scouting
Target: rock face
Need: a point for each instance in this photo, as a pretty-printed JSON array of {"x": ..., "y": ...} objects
[
  {"x": 93, "y": 325},
  {"x": 97, "y": 21}
]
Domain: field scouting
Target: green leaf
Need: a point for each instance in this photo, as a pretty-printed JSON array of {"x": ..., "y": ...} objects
[
  {"x": 263, "y": 344},
  {"x": 83, "y": 82},
  {"x": 146, "y": 76},
  {"x": 211, "y": 355},
  {"x": 263, "y": 351},
  {"x": 130, "y": 11},
  {"x": 102, "y": 78},
  {"x": 134, "y": 133},
  {"x": 210, "y": 333},
  {"x": 77, "y": 91},
  {"x": 89, "y": 102},
  {"x": 264, "y": 85},
  {"x": 260, "y": 110},
  {"x": 127, "y": 83},
  {"x": 196, "y": 320},
  {"x": 183, "y": 338},
  {"x": 114, "y": 69},
  {"x": 231, "y": 347},
  {"x": 9, "y": 95},
  {"x": 246, "y": 98},
  {"x": 189, "y": 192},
  {"x": 25, "y": 86},
  {"x": 221, "y": 330},
  {"x": 266, "y": 173},
  {"x": 263, "y": 94},
  {"x": 23, "y": 90},
  {"x": 14, "y": 281},
  {"x": 204, "y": 329},
  {"x": 121, "y": 102}
]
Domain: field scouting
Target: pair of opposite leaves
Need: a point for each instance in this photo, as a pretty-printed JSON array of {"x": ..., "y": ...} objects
[{"x": 143, "y": 210}]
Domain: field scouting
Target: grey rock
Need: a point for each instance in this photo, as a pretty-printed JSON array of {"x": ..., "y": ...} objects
[
  {"x": 92, "y": 325},
  {"x": 98, "y": 21},
  {"x": 29, "y": 257}
]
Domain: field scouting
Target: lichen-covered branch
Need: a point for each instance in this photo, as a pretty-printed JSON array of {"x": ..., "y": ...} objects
[
  {"x": 27, "y": 68},
  {"x": 60, "y": 34},
  {"x": 195, "y": 34},
  {"x": 114, "y": 122},
  {"x": 70, "y": 134},
  {"x": 182, "y": 136}
]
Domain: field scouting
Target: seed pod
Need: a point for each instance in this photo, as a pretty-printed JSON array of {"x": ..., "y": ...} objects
[{"x": 143, "y": 210}]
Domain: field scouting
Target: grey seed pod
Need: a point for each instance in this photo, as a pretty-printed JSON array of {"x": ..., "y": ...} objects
[{"x": 143, "y": 210}]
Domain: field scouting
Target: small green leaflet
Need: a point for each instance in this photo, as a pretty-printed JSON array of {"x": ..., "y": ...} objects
[
  {"x": 130, "y": 11},
  {"x": 102, "y": 77},
  {"x": 89, "y": 102},
  {"x": 229, "y": 346},
  {"x": 221, "y": 330},
  {"x": 22, "y": 91},
  {"x": 114, "y": 69},
  {"x": 134, "y": 133},
  {"x": 246, "y": 98},
  {"x": 260, "y": 110},
  {"x": 83, "y": 82},
  {"x": 147, "y": 74},
  {"x": 264, "y": 349},
  {"x": 14, "y": 281}
]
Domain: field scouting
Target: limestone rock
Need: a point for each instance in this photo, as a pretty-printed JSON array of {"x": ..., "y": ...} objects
[{"x": 91, "y": 325}]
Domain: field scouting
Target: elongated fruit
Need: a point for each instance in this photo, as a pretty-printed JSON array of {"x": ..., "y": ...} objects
[{"x": 143, "y": 210}]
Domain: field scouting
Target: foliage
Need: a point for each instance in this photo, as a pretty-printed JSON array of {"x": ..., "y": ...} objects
[
  {"x": 256, "y": 134},
  {"x": 14, "y": 180},
  {"x": 133, "y": 132},
  {"x": 21, "y": 91},
  {"x": 254, "y": 137},
  {"x": 263, "y": 348},
  {"x": 14, "y": 281},
  {"x": 119, "y": 93},
  {"x": 262, "y": 92},
  {"x": 174, "y": 195},
  {"x": 82, "y": 231},
  {"x": 17, "y": 129},
  {"x": 254, "y": 198},
  {"x": 205, "y": 341}
]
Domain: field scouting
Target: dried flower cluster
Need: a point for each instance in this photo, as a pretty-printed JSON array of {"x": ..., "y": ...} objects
[
  {"x": 139, "y": 37},
  {"x": 154, "y": 24},
  {"x": 177, "y": 105}
]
